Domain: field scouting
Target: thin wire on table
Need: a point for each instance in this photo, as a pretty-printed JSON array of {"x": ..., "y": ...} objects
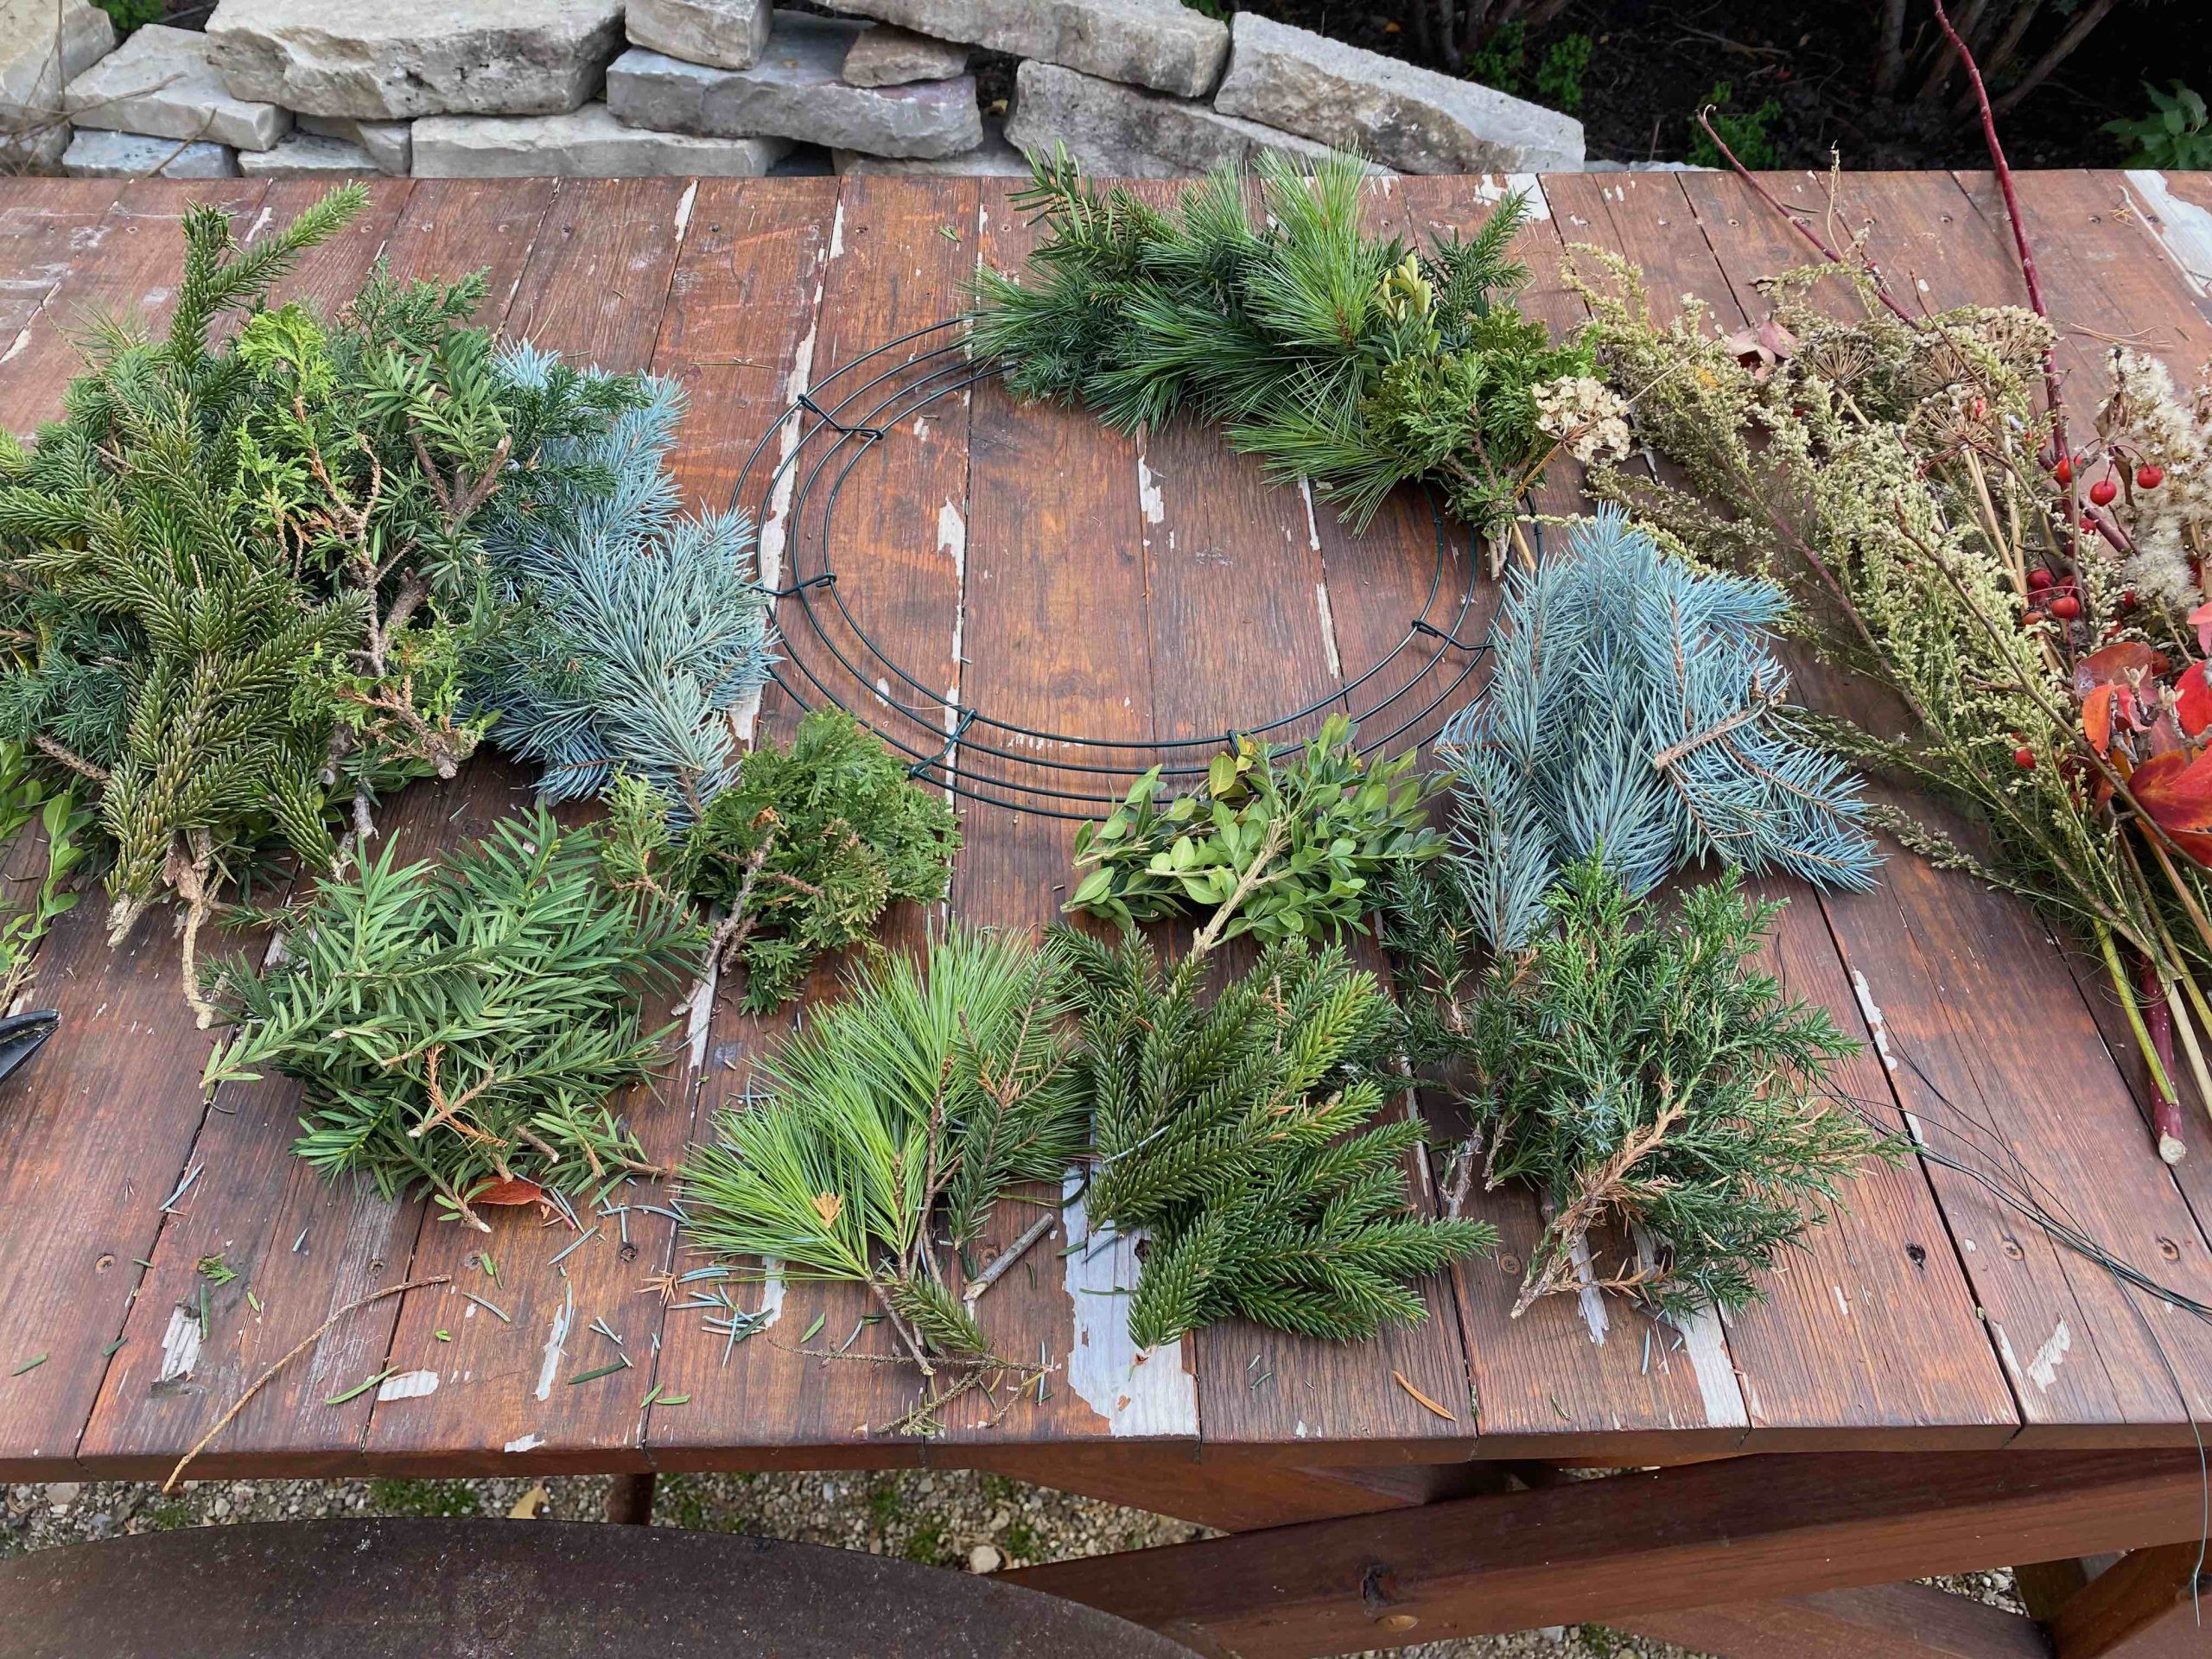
[{"x": 831, "y": 658}]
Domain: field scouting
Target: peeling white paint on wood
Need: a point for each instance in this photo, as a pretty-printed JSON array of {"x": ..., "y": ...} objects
[
  {"x": 1706, "y": 1344},
  {"x": 1328, "y": 630},
  {"x": 407, "y": 1385},
  {"x": 179, "y": 1345},
  {"x": 550, "y": 1366},
  {"x": 1148, "y": 495},
  {"x": 1540, "y": 211},
  {"x": 683, "y": 211},
  {"x": 2183, "y": 230},
  {"x": 525, "y": 1443},
  {"x": 2042, "y": 1370},
  {"x": 1592, "y": 1300},
  {"x": 1134, "y": 1393}
]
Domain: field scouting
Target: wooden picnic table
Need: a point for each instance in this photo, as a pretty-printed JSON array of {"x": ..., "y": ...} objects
[{"x": 1145, "y": 590}]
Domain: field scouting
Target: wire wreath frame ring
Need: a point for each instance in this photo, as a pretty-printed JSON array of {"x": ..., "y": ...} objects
[{"x": 828, "y": 657}]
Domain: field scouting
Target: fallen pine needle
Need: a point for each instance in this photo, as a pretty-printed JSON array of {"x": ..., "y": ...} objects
[
  {"x": 360, "y": 1389},
  {"x": 1399, "y": 1377},
  {"x": 30, "y": 1365},
  {"x": 299, "y": 1348},
  {"x": 596, "y": 1372}
]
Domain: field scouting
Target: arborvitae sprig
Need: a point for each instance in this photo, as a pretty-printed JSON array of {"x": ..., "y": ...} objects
[
  {"x": 1348, "y": 360},
  {"x": 803, "y": 851},
  {"x": 925, "y": 1093},
  {"x": 1238, "y": 1132},
  {"x": 1651, "y": 1081},
  {"x": 466, "y": 1023}
]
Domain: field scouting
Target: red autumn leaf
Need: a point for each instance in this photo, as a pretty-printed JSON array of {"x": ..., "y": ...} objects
[
  {"x": 2200, "y": 619},
  {"x": 2097, "y": 717},
  {"x": 2195, "y": 704},
  {"x": 2116, "y": 665},
  {"x": 2176, "y": 789},
  {"x": 513, "y": 1190}
]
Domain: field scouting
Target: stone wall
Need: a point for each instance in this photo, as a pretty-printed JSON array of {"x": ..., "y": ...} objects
[{"x": 599, "y": 88}]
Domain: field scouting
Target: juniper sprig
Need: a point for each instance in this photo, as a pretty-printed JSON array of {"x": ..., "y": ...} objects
[
  {"x": 1653, "y": 1085},
  {"x": 803, "y": 850}
]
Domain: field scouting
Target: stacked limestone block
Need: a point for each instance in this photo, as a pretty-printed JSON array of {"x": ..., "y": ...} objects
[
  {"x": 609, "y": 89},
  {"x": 43, "y": 46}
]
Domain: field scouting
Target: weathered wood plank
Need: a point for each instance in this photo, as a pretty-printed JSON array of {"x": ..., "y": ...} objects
[
  {"x": 109, "y": 1109},
  {"x": 1590, "y": 1369},
  {"x": 2135, "y": 1607},
  {"x": 1058, "y": 636},
  {"x": 124, "y": 262},
  {"x": 1875, "y": 1324},
  {"x": 317, "y": 1246},
  {"x": 487, "y": 1390},
  {"x": 46, "y": 236},
  {"x": 1988, "y": 1032},
  {"x": 1743, "y": 1530},
  {"x": 883, "y": 643},
  {"x": 1885, "y": 1621}
]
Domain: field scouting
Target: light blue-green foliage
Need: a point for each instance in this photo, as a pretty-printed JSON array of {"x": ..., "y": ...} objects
[
  {"x": 635, "y": 630},
  {"x": 1635, "y": 713}
]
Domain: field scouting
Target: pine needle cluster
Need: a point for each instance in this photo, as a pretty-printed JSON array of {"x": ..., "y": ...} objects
[
  {"x": 462, "y": 1026},
  {"x": 918, "y": 1098},
  {"x": 631, "y": 632},
  {"x": 1238, "y": 1132},
  {"x": 1637, "y": 714},
  {"x": 1290, "y": 843},
  {"x": 1656, "y": 1088},
  {"x": 1348, "y": 361},
  {"x": 803, "y": 851}
]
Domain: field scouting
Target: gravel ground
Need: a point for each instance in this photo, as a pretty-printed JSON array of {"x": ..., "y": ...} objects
[{"x": 949, "y": 1518}]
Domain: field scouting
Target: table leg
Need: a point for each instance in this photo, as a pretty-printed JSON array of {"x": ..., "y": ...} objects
[{"x": 630, "y": 1500}]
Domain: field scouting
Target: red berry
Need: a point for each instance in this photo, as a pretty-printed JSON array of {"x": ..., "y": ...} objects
[
  {"x": 2063, "y": 472},
  {"x": 2029, "y": 619},
  {"x": 2039, "y": 578},
  {"x": 2128, "y": 602},
  {"x": 1979, "y": 408},
  {"x": 2024, "y": 758},
  {"x": 2066, "y": 607},
  {"x": 2150, "y": 475},
  {"x": 2103, "y": 491}
]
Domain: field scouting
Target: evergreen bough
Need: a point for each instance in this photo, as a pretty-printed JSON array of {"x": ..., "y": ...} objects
[
  {"x": 464, "y": 1026},
  {"x": 1350, "y": 361},
  {"x": 803, "y": 851},
  {"x": 1643, "y": 1076},
  {"x": 1238, "y": 1132},
  {"x": 1636, "y": 714},
  {"x": 632, "y": 632},
  {"x": 917, "y": 1099},
  {"x": 243, "y": 574}
]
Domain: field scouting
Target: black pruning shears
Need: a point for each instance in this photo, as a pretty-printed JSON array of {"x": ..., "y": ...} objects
[{"x": 22, "y": 1035}]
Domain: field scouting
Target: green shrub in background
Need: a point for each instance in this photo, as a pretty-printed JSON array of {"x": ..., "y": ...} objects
[
  {"x": 2175, "y": 134},
  {"x": 130, "y": 14},
  {"x": 1503, "y": 62},
  {"x": 1744, "y": 131}
]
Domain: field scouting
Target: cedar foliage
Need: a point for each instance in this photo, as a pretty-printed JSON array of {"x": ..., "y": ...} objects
[
  {"x": 1651, "y": 1083},
  {"x": 1238, "y": 1131},
  {"x": 803, "y": 851},
  {"x": 462, "y": 1025},
  {"x": 918, "y": 1098},
  {"x": 1353, "y": 362}
]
